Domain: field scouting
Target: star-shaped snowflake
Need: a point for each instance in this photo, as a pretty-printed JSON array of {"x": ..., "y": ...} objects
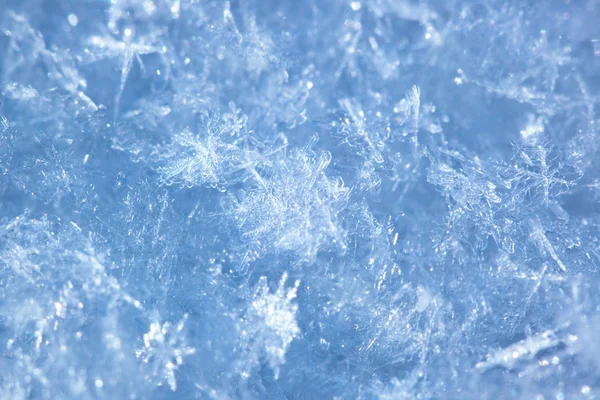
[{"x": 164, "y": 349}]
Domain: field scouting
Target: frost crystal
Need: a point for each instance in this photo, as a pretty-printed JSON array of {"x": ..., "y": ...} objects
[
  {"x": 523, "y": 350},
  {"x": 268, "y": 326},
  {"x": 209, "y": 157},
  {"x": 164, "y": 349},
  {"x": 293, "y": 206}
]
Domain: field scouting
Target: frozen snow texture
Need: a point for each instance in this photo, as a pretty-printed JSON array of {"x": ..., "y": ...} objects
[{"x": 269, "y": 199}]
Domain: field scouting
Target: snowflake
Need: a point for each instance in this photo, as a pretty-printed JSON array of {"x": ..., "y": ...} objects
[
  {"x": 164, "y": 349},
  {"x": 294, "y": 206},
  {"x": 541, "y": 170},
  {"x": 205, "y": 158},
  {"x": 269, "y": 326}
]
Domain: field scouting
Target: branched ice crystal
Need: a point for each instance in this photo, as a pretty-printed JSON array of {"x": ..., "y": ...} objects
[
  {"x": 208, "y": 157},
  {"x": 163, "y": 351},
  {"x": 268, "y": 326},
  {"x": 293, "y": 206}
]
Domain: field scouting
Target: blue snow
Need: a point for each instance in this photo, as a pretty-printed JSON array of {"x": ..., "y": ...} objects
[{"x": 299, "y": 199}]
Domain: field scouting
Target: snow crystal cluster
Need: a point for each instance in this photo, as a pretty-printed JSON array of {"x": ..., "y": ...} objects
[{"x": 299, "y": 199}]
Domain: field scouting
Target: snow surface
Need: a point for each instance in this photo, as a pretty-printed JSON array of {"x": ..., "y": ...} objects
[{"x": 299, "y": 199}]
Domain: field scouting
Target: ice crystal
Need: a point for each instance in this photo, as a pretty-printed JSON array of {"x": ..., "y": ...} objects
[
  {"x": 293, "y": 206},
  {"x": 164, "y": 349},
  {"x": 525, "y": 349},
  {"x": 268, "y": 326},
  {"x": 208, "y": 158}
]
